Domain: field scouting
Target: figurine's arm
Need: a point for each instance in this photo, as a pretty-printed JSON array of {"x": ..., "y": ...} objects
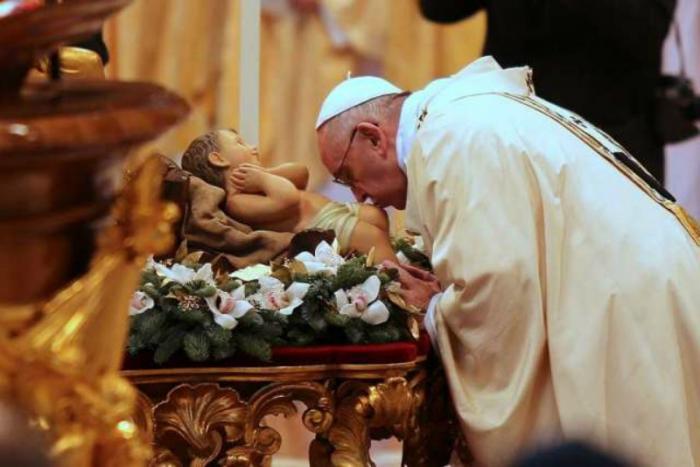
[
  {"x": 260, "y": 196},
  {"x": 294, "y": 172}
]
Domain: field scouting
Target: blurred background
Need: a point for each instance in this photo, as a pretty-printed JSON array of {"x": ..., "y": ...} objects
[{"x": 308, "y": 46}]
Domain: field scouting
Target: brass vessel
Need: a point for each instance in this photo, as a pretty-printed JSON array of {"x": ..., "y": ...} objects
[{"x": 73, "y": 238}]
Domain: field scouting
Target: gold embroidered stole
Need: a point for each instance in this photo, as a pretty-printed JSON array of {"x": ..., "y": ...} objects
[{"x": 577, "y": 126}]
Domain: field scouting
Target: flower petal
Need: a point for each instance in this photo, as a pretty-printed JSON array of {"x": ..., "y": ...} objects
[
  {"x": 371, "y": 287},
  {"x": 178, "y": 273},
  {"x": 314, "y": 267},
  {"x": 288, "y": 310},
  {"x": 298, "y": 290},
  {"x": 305, "y": 256},
  {"x": 350, "y": 310},
  {"x": 269, "y": 283},
  {"x": 376, "y": 313},
  {"x": 239, "y": 293},
  {"x": 324, "y": 250},
  {"x": 341, "y": 298},
  {"x": 211, "y": 303},
  {"x": 205, "y": 274},
  {"x": 182, "y": 274},
  {"x": 225, "y": 321},
  {"x": 140, "y": 302},
  {"x": 241, "y": 308},
  {"x": 325, "y": 254},
  {"x": 226, "y": 303}
]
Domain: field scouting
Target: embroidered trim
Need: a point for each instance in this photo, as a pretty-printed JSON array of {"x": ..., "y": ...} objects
[{"x": 576, "y": 125}]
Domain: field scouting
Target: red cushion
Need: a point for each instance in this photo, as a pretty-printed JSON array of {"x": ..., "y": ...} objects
[{"x": 395, "y": 352}]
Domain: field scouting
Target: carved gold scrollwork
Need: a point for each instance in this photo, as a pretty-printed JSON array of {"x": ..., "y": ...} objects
[
  {"x": 202, "y": 416},
  {"x": 143, "y": 417},
  {"x": 208, "y": 424},
  {"x": 195, "y": 424},
  {"x": 261, "y": 441},
  {"x": 349, "y": 435},
  {"x": 383, "y": 410},
  {"x": 164, "y": 457}
]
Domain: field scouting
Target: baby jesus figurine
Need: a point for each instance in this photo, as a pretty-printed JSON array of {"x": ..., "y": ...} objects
[{"x": 274, "y": 198}]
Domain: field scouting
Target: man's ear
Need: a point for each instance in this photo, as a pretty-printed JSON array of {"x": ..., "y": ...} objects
[
  {"x": 374, "y": 134},
  {"x": 216, "y": 160}
]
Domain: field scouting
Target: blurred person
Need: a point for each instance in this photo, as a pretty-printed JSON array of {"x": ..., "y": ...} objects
[
  {"x": 601, "y": 60},
  {"x": 682, "y": 58},
  {"x": 571, "y": 454}
]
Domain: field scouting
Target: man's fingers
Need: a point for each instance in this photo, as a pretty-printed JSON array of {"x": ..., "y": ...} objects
[
  {"x": 407, "y": 279},
  {"x": 419, "y": 272}
]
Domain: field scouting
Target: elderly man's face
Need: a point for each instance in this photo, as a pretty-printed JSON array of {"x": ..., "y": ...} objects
[{"x": 366, "y": 162}]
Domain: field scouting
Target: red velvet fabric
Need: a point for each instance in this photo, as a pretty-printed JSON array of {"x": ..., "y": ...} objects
[{"x": 395, "y": 352}]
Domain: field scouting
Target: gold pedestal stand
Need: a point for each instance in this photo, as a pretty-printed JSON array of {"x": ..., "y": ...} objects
[
  {"x": 205, "y": 416},
  {"x": 72, "y": 243}
]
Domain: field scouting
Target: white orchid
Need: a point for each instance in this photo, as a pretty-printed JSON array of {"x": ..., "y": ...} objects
[
  {"x": 140, "y": 302},
  {"x": 361, "y": 302},
  {"x": 227, "y": 308},
  {"x": 324, "y": 259},
  {"x": 273, "y": 296},
  {"x": 182, "y": 274}
]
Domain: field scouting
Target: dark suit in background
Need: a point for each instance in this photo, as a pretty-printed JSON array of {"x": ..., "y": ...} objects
[{"x": 599, "y": 58}]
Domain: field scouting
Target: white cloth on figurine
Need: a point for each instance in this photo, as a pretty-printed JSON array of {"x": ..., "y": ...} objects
[{"x": 571, "y": 306}]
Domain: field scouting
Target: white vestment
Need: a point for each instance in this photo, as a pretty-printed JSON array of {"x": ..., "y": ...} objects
[{"x": 571, "y": 303}]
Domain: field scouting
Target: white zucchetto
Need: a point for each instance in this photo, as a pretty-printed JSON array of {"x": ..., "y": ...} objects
[{"x": 351, "y": 93}]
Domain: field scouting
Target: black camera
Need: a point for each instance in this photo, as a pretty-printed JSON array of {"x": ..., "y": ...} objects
[{"x": 677, "y": 109}]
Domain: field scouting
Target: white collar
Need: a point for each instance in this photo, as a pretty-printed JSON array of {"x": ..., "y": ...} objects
[
  {"x": 406, "y": 133},
  {"x": 482, "y": 75}
]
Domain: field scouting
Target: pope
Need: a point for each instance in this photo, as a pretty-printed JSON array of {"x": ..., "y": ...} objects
[{"x": 571, "y": 278}]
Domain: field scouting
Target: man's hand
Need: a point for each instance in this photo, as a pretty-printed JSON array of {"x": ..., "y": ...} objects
[
  {"x": 248, "y": 178},
  {"x": 417, "y": 285}
]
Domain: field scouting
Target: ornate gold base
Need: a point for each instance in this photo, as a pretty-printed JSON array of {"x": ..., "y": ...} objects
[{"x": 217, "y": 416}]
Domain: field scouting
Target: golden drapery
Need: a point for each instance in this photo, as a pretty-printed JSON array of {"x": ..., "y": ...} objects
[
  {"x": 301, "y": 63},
  {"x": 186, "y": 47},
  {"x": 194, "y": 51},
  {"x": 419, "y": 51}
]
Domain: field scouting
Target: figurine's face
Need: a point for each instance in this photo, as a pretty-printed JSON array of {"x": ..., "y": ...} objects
[{"x": 233, "y": 151}]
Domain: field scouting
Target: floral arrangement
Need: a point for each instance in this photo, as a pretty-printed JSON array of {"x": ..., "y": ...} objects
[{"x": 310, "y": 299}]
